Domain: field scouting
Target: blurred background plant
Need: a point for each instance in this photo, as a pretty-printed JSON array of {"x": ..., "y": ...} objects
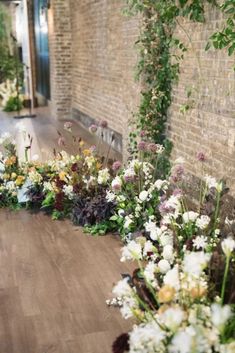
[{"x": 11, "y": 68}]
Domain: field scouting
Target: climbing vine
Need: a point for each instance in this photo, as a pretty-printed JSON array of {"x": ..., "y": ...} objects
[{"x": 160, "y": 55}]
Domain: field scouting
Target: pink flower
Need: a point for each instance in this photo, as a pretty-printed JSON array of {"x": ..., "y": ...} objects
[
  {"x": 201, "y": 157},
  {"x": 93, "y": 128},
  {"x": 152, "y": 147},
  {"x": 116, "y": 166},
  {"x": 142, "y": 133},
  {"x": 68, "y": 126},
  {"x": 93, "y": 148},
  {"x": 104, "y": 124},
  {"x": 142, "y": 146}
]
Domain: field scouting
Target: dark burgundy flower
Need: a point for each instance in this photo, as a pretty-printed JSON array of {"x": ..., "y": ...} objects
[
  {"x": 59, "y": 201},
  {"x": 74, "y": 167},
  {"x": 121, "y": 344},
  {"x": 104, "y": 124}
]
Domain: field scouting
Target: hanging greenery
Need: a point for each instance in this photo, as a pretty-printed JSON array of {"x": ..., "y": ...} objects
[{"x": 160, "y": 55}]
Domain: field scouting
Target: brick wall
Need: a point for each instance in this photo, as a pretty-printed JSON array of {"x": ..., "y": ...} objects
[
  {"x": 103, "y": 61},
  {"x": 59, "y": 29},
  {"x": 209, "y": 124}
]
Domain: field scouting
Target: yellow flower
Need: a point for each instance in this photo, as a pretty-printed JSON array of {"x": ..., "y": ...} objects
[
  {"x": 86, "y": 152},
  {"x": 13, "y": 176},
  {"x": 98, "y": 165},
  {"x": 62, "y": 176},
  {"x": 20, "y": 179},
  {"x": 81, "y": 143},
  {"x": 166, "y": 294},
  {"x": 197, "y": 292}
]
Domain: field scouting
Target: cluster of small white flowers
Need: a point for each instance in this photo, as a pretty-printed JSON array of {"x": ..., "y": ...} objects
[
  {"x": 195, "y": 263},
  {"x": 68, "y": 191},
  {"x": 35, "y": 177},
  {"x": 47, "y": 186},
  {"x": 103, "y": 176},
  {"x": 147, "y": 338}
]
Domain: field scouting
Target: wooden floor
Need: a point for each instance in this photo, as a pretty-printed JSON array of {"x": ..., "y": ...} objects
[{"x": 54, "y": 281}]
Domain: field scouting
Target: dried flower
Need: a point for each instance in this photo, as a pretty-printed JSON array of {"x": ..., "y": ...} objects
[{"x": 68, "y": 126}]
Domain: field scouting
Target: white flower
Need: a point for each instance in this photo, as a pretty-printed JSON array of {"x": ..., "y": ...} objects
[
  {"x": 148, "y": 248},
  {"x": 47, "y": 186},
  {"x": 103, "y": 176},
  {"x": 149, "y": 273},
  {"x": 132, "y": 251},
  {"x": 146, "y": 338},
  {"x": 143, "y": 195},
  {"x": 68, "y": 190},
  {"x": 195, "y": 262},
  {"x": 128, "y": 305},
  {"x": 122, "y": 288},
  {"x": 200, "y": 242},
  {"x": 168, "y": 253},
  {"x": 121, "y": 213},
  {"x": 228, "y": 245},
  {"x": 172, "y": 278},
  {"x": 161, "y": 184},
  {"x": 182, "y": 343},
  {"x": 152, "y": 228},
  {"x": 210, "y": 182},
  {"x": 172, "y": 318},
  {"x": 35, "y": 177},
  {"x": 110, "y": 196},
  {"x": 190, "y": 216},
  {"x": 117, "y": 183},
  {"x": 203, "y": 222},
  {"x": 220, "y": 315},
  {"x": 10, "y": 185},
  {"x": 128, "y": 222},
  {"x": 164, "y": 266}
]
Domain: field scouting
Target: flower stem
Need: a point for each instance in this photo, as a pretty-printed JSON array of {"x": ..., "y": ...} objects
[{"x": 225, "y": 279}]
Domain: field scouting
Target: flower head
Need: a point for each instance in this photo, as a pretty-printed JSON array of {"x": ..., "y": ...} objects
[{"x": 228, "y": 246}]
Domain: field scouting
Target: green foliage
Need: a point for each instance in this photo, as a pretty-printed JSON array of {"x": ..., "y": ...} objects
[
  {"x": 13, "y": 104},
  {"x": 158, "y": 67},
  {"x": 225, "y": 38}
]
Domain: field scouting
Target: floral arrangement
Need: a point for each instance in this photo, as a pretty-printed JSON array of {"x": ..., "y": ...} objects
[
  {"x": 181, "y": 294},
  {"x": 10, "y": 100}
]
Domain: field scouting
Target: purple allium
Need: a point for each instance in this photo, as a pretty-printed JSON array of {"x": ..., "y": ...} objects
[
  {"x": 104, "y": 124},
  {"x": 93, "y": 128},
  {"x": 61, "y": 141},
  {"x": 142, "y": 145},
  {"x": 152, "y": 147},
  {"x": 92, "y": 148},
  {"x": 129, "y": 178},
  {"x": 201, "y": 157},
  {"x": 116, "y": 166}
]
